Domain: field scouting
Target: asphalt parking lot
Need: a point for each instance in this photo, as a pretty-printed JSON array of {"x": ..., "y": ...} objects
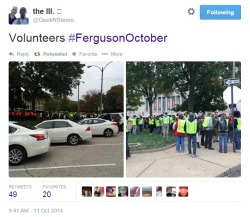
[{"x": 97, "y": 157}]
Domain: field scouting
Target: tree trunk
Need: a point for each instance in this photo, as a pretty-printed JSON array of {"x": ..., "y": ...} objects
[
  {"x": 191, "y": 91},
  {"x": 150, "y": 104}
]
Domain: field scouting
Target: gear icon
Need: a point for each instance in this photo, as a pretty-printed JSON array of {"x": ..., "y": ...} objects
[{"x": 191, "y": 11}]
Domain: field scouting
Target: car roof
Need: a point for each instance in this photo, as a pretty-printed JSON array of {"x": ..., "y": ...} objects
[
  {"x": 71, "y": 122},
  {"x": 94, "y": 119}
]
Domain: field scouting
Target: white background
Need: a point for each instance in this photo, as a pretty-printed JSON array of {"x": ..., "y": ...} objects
[{"x": 189, "y": 39}]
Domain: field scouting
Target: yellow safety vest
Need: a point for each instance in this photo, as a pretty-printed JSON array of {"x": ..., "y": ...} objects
[
  {"x": 180, "y": 128},
  {"x": 191, "y": 127},
  {"x": 238, "y": 123},
  {"x": 151, "y": 121},
  {"x": 206, "y": 121},
  {"x": 157, "y": 123},
  {"x": 134, "y": 121},
  {"x": 127, "y": 130},
  {"x": 141, "y": 121},
  {"x": 161, "y": 120},
  {"x": 166, "y": 120}
]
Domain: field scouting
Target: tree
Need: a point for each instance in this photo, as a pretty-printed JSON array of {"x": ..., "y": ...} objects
[
  {"x": 15, "y": 89},
  {"x": 113, "y": 100},
  {"x": 145, "y": 79},
  {"x": 51, "y": 105},
  {"x": 40, "y": 80},
  {"x": 92, "y": 101},
  {"x": 201, "y": 83}
]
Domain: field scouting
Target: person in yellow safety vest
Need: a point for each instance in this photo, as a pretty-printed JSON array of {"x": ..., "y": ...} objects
[
  {"x": 191, "y": 128},
  {"x": 165, "y": 127},
  {"x": 180, "y": 134},
  {"x": 186, "y": 116},
  {"x": 237, "y": 130},
  {"x": 129, "y": 125},
  {"x": 140, "y": 123},
  {"x": 215, "y": 129},
  {"x": 161, "y": 123},
  {"x": 48, "y": 115},
  {"x": 207, "y": 125},
  {"x": 151, "y": 124},
  {"x": 41, "y": 116},
  {"x": 222, "y": 126},
  {"x": 172, "y": 120},
  {"x": 157, "y": 125},
  {"x": 134, "y": 124}
]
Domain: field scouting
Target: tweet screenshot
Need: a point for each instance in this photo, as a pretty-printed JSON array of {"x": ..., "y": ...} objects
[{"x": 125, "y": 106}]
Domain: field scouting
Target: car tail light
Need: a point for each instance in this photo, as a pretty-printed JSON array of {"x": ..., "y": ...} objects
[
  {"x": 88, "y": 129},
  {"x": 113, "y": 123},
  {"x": 39, "y": 136}
]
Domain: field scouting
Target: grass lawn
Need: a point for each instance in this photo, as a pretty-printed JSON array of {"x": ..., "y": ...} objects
[{"x": 150, "y": 142}]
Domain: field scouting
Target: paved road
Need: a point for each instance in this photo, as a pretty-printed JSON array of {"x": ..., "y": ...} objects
[
  {"x": 96, "y": 157},
  {"x": 169, "y": 163}
]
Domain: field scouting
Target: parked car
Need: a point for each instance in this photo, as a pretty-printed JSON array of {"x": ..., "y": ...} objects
[
  {"x": 24, "y": 143},
  {"x": 111, "y": 117},
  {"x": 61, "y": 130},
  {"x": 101, "y": 127}
]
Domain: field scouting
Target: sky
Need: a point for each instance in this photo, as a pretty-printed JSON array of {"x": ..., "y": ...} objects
[{"x": 112, "y": 75}]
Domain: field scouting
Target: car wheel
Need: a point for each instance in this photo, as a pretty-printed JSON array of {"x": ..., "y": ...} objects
[
  {"x": 73, "y": 139},
  {"x": 17, "y": 155},
  {"x": 108, "y": 133}
]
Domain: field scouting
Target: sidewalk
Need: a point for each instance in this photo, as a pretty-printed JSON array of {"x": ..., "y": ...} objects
[{"x": 169, "y": 163}]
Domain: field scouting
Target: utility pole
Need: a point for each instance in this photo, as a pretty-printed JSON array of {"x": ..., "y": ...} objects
[{"x": 232, "y": 106}]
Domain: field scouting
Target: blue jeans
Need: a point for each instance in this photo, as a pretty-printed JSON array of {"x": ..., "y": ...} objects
[
  {"x": 134, "y": 129},
  {"x": 158, "y": 130},
  {"x": 230, "y": 136},
  {"x": 223, "y": 138},
  {"x": 192, "y": 138},
  {"x": 140, "y": 127},
  {"x": 180, "y": 143},
  {"x": 237, "y": 138},
  {"x": 127, "y": 147},
  {"x": 208, "y": 139}
]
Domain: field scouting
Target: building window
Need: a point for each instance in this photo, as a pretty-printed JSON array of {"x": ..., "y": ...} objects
[
  {"x": 178, "y": 100},
  {"x": 155, "y": 105},
  {"x": 159, "y": 103},
  {"x": 168, "y": 103},
  {"x": 163, "y": 104},
  {"x": 173, "y": 102}
]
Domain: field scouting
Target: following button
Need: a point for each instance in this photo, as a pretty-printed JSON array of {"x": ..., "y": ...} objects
[{"x": 220, "y": 12}]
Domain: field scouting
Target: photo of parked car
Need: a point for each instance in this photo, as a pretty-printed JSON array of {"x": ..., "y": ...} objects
[
  {"x": 25, "y": 143},
  {"x": 61, "y": 130},
  {"x": 101, "y": 127}
]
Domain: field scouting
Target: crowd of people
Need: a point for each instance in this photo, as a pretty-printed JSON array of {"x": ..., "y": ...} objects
[
  {"x": 212, "y": 127},
  {"x": 27, "y": 115}
]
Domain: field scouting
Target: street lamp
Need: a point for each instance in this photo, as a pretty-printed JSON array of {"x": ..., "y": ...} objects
[
  {"x": 102, "y": 70},
  {"x": 78, "y": 102}
]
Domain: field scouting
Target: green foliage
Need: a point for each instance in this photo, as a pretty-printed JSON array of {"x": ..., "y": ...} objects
[
  {"x": 113, "y": 100},
  {"x": 92, "y": 101},
  {"x": 40, "y": 80},
  {"x": 145, "y": 79},
  {"x": 15, "y": 91},
  {"x": 201, "y": 84}
]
